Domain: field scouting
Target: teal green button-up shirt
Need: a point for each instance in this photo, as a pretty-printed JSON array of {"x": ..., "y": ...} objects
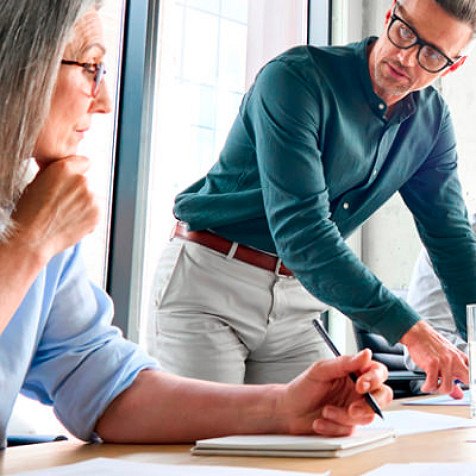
[{"x": 311, "y": 156}]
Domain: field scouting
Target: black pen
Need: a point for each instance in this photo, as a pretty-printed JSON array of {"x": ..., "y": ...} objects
[{"x": 368, "y": 398}]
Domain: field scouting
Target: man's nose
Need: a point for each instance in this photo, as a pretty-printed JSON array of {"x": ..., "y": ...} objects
[{"x": 408, "y": 57}]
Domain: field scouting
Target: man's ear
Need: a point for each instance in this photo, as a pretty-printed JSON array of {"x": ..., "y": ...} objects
[
  {"x": 389, "y": 12},
  {"x": 455, "y": 66}
]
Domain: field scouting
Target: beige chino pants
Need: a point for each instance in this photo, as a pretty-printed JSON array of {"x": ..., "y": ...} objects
[{"x": 215, "y": 318}]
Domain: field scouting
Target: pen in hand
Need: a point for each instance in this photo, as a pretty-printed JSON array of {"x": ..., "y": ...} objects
[{"x": 368, "y": 398}]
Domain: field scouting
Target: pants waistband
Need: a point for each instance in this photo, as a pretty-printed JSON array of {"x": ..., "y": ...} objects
[{"x": 240, "y": 252}]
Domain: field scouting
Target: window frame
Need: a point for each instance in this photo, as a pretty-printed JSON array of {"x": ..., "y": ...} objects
[
  {"x": 319, "y": 22},
  {"x": 132, "y": 161},
  {"x": 133, "y": 145}
]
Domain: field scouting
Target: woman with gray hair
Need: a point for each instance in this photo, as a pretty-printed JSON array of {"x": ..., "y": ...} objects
[{"x": 56, "y": 341}]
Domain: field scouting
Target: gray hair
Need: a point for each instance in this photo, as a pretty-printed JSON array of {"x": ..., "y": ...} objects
[
  {"x": 33, "y": 35},
  {"x": 463, "y": 10}
]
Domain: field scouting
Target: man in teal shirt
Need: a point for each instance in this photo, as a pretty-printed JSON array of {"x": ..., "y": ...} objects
[{"x": 323, "y": 138}]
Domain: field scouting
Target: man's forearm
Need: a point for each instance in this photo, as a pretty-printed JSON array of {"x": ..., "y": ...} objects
[{"x": 163, "y": 408}]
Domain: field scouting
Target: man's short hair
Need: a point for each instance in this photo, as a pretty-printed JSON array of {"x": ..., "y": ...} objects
[{"x": 463, "y": 10}]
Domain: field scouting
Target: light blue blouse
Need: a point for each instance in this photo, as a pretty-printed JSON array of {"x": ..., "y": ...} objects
[{"x": 60, "y": 348}]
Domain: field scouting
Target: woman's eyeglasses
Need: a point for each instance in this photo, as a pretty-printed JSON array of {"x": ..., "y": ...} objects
[{"x": 98, "y": 71}]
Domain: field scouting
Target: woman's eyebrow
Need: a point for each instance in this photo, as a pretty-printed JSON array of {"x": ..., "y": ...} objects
[{"x": 91, "y": 46}]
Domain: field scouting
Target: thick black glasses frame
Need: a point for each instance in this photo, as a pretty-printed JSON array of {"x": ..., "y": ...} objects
[
  {"x": 418, "y": 41},
  {"x": 98, "y": 69}
]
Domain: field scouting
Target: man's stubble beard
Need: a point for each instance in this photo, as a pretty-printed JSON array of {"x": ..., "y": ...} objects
[{"x": 382, "y": 83}]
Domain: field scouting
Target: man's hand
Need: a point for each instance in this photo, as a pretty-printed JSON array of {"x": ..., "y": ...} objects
[
  {"x": 325, "y": 400},
  {"x": 57, "y": 208},
  {"x": 441, "y": 360}
]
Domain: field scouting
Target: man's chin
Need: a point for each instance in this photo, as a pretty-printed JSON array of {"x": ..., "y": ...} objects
[{"x": 391, "y": 87}]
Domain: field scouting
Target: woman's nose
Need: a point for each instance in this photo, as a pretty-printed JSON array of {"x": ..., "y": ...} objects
[{"x": 102, "y": 103}]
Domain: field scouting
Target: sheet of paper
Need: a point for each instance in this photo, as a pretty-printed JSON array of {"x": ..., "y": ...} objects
[
  {"x": 424, "y": 469},
  {"x": 409, "y": 422},
  {"x": 442, "y": 400},
  {"x": 119, "y": 467}
]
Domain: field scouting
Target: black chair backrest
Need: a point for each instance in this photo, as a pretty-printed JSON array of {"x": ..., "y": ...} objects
[
  {"x": 390, "y": 355},
  {"x": 404, "y": 382}
]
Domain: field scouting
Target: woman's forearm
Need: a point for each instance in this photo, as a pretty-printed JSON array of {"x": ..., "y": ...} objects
[
  {"x": 163, "y": 408},
  {"x": 19, "y": 267}
]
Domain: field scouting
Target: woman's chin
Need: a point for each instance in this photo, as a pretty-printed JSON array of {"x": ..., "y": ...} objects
[{"x": 47, "y": 157}]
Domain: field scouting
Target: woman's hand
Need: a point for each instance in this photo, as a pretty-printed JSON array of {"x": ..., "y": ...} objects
[
  {"x": 325, "y": 400},
  {"x": 57, "y": 209}
]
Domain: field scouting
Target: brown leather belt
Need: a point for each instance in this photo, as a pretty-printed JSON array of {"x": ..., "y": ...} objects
[{"x": 222, "y": 245}]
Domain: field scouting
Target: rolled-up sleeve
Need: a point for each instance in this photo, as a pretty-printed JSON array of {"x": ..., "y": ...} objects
[{"x": 81, "y": 362}]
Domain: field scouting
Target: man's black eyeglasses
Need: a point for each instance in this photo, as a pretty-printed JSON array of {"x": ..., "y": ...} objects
[
  {"x": 403, "y": 36},
  {"x": 98, "y": 71}
]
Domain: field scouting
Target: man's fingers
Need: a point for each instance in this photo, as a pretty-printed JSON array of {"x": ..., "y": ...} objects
[
  {"x": 441, "y": 360},
  {"x": 457, "y": 393},
  {"x": 461, "y": 372},
  {"x": 446, "y": 376},
  {"x": 431, "y": 382},
  {"x": 440, "y": 376}
]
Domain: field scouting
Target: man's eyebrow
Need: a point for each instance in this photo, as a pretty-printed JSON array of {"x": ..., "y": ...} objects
[{"x": 401, "y": 8}]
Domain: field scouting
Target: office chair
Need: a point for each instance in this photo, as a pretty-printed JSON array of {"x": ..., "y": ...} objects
[
  {"x": 20, "y": 440},
  {"x": 404, "y": 382}
]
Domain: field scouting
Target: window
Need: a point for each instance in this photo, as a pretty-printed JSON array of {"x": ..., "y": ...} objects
[
  {"x": 207, "y": 54},
  {"x": 98, "y": 145},
  {"x": 200, "y": 82}
]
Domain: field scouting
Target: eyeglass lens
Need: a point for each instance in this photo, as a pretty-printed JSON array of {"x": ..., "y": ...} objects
[
  {"x": 100, "y": 72},
  {"x": 404, "y": 37}
]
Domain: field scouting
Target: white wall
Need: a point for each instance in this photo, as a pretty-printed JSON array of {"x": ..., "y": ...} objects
[
  {"x": 459, "y": 90},
  {"x": 388, "y": 243}
]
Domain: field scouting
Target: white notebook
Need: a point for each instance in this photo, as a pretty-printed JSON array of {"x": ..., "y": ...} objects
[{"x": 309, "y": 446}]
